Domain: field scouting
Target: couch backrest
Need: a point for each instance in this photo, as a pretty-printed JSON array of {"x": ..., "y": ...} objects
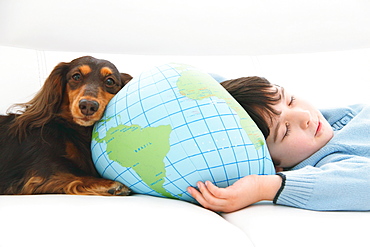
[{"x": 191, "y": 27}]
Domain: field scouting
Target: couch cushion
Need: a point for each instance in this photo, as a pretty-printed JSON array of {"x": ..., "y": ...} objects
[
  {"x": 291, "y": 227},
  {"x": 64, "y": 220}
]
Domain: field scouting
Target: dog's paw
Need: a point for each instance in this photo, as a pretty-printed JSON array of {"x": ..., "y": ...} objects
[{"x": 119, "y": 189}]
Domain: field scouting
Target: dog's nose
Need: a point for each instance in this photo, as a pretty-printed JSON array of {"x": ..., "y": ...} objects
[{"x": 88, "y": 107}]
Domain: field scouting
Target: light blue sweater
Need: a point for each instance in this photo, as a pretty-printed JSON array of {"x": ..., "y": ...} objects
[{"x": 337, "y": 177}]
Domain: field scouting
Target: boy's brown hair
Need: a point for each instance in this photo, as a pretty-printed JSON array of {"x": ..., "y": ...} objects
[{"x": 257, "y": 96}]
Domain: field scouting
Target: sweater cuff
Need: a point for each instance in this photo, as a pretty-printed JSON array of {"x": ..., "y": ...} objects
[
  {"x": 298, "y": 187},
  {"x": 283, "y": 177}
]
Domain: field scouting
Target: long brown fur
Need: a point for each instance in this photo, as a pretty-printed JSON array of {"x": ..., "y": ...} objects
[{"x": 45, "y": 148}]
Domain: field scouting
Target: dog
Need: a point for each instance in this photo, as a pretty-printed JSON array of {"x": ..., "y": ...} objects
[{"x": 45, "y": 144}]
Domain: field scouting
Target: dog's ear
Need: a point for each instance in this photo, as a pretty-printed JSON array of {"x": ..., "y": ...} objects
[
  {"x": 125, "y": 78},
  {"x": 39, "y": 110},
  {"x": 50, "y": 97}
]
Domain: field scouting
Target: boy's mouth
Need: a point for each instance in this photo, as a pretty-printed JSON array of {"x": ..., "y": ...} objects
[{"x": 319, "y": 126}]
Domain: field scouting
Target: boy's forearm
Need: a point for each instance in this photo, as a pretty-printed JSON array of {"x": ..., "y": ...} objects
[{"x": 270, "y": 185}]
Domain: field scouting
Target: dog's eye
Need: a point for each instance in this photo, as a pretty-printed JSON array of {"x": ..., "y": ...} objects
[
  {"x": 110, "y": 82},
  {"x": 76, "y": 77}
]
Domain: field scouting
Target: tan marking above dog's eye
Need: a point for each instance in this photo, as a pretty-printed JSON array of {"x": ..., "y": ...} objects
[
  {"x": 85, "y": 69},
  {"x": 105, "y": 71}
]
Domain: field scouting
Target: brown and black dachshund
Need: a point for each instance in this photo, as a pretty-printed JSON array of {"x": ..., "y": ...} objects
[{"x": 46, "y": 147}]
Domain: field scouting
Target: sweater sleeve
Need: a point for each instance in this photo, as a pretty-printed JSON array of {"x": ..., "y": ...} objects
[{"x": 342, "y": 185}]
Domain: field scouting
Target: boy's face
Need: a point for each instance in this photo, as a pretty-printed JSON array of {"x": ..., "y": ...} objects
[{"x": 298, "y": 132}]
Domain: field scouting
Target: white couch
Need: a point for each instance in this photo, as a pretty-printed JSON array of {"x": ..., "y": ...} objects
[{"x": 317, "y": 49}]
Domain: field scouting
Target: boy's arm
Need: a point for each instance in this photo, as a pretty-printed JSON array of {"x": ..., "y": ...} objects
[
  {"x": 341, "y": 185},
  {"x": 244, "y": 192}
]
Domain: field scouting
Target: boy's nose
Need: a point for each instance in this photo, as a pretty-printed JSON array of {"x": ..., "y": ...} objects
[{"x": 303, "y": 118}]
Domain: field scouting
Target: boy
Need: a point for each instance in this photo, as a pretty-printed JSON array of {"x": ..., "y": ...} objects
[{"x": 325, "y": 154}]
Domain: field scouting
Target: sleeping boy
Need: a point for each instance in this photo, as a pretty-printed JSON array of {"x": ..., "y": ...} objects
[{"x": 322, "y": 157}]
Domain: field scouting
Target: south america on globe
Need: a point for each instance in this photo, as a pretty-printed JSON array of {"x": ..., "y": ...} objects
[{"x": 173, "y": 126}]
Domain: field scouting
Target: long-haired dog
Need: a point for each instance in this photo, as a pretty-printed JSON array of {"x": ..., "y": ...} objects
[{"x": 46, "y": 148}]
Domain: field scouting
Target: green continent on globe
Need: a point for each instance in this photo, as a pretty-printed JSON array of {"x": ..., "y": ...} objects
[
  {"x": 197, "y": 85},
  {"x": 142, "y": 149}
]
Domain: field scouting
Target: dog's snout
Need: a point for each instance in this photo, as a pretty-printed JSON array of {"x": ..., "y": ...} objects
[{"x": 88, "y": 107}]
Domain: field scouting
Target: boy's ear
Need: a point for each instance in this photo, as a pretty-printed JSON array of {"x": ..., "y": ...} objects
[{"x": 125, "y": 78}]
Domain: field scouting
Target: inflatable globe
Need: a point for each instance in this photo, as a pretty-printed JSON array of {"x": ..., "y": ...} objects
[{"x": 173, "y": 126}]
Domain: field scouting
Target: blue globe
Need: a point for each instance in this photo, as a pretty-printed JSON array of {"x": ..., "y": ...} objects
[{"x": 173, "y": 126}]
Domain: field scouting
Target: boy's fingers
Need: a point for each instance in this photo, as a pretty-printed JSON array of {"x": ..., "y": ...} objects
[
  {"x": 216, "y": 191},
  {"x": 206, "y": 198},
  {"x": 206, "y": 190},
  {"x": 196, "y": 194},
  {"x": 199, "y": 197}
]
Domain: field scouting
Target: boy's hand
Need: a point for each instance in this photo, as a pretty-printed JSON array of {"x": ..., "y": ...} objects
[{"x": 242, "y": 193}]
